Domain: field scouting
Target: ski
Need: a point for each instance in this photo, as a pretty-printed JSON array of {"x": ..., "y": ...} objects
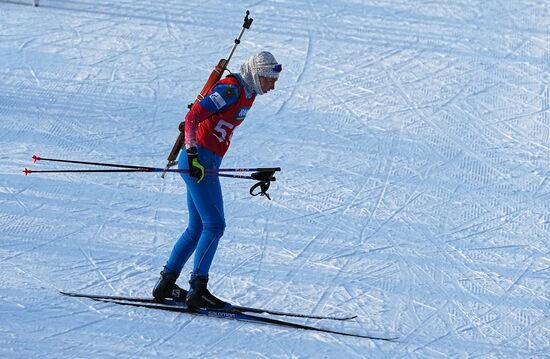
[
  {"x": 223, "y": 314},
  {"x": 234, "y": 307}
]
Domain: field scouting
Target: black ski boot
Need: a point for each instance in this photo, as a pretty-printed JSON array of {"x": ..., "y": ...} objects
[
  {"x": 199, "y": 296},
  {"x": 166, "y": 287}
]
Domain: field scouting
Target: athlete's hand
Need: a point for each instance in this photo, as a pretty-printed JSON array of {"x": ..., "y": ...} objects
[{"x": 196, "y": 169}]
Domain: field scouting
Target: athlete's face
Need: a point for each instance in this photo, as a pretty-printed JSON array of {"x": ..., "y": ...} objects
[{"x": 267, "y": 83}]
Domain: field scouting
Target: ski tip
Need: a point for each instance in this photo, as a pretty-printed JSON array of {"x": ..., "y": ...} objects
[
  {"x": 388, "y": 339},
  {"x": 343, "y": 318},
  {"x": 72, "y": 294}
]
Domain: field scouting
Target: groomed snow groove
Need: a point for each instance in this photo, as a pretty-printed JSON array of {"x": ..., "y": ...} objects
[{"x": 414, "y": 141}]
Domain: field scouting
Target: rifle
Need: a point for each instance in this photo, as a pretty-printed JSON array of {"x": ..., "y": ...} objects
[{"x": 214, "y": 77}]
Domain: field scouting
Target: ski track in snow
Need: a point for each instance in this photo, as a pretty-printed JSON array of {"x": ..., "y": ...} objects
[{"x": 414, "y": 139}]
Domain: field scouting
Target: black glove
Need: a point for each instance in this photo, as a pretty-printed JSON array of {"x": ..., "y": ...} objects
[{"x": 196, "y": 169}]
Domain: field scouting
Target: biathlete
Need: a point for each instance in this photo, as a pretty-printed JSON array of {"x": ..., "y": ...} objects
[{"x": 208, "y": 130}]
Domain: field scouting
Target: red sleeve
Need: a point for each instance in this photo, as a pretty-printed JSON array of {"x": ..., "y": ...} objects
[{"x": 197, "y": 114}]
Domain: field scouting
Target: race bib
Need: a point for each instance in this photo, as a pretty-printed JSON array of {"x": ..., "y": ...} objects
[{"x": 242, "y": 113}]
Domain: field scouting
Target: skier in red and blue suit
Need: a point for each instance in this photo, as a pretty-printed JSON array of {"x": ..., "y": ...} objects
[{"x": 209, "y": 127}]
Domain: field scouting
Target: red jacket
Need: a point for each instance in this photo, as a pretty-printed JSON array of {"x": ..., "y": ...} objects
[{"x": 211, "y": 122}]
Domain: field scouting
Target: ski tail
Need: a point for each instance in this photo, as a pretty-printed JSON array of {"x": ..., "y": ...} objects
[{"x": 114, "y": 297}]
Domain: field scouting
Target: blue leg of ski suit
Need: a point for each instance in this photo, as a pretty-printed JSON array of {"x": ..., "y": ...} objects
[{"x": 206, "y": 217}]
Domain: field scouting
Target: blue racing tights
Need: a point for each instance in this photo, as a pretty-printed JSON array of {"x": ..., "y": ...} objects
[{"x": 206, "y": 218}]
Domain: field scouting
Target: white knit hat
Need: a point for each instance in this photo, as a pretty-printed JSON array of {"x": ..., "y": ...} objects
[{"x": 261, "y": 64}]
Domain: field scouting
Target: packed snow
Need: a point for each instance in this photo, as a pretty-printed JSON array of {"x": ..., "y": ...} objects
[{"x": 414, "y": 142}]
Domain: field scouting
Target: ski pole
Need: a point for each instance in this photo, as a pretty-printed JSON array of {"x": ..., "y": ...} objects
[
  {"x": 259, "y": 169},
  {"x": 264, "y": 175},
  {"x": 27, "y": 172},
  {"x": 37, "y": 158}
]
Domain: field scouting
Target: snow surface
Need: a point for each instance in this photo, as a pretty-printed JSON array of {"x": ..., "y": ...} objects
[{"x": 414, "y": 139}]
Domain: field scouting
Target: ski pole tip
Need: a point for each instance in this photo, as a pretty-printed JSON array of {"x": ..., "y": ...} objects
[
  {"x": 35, "y": 158},
  {"x": 27, "y": 171}
]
